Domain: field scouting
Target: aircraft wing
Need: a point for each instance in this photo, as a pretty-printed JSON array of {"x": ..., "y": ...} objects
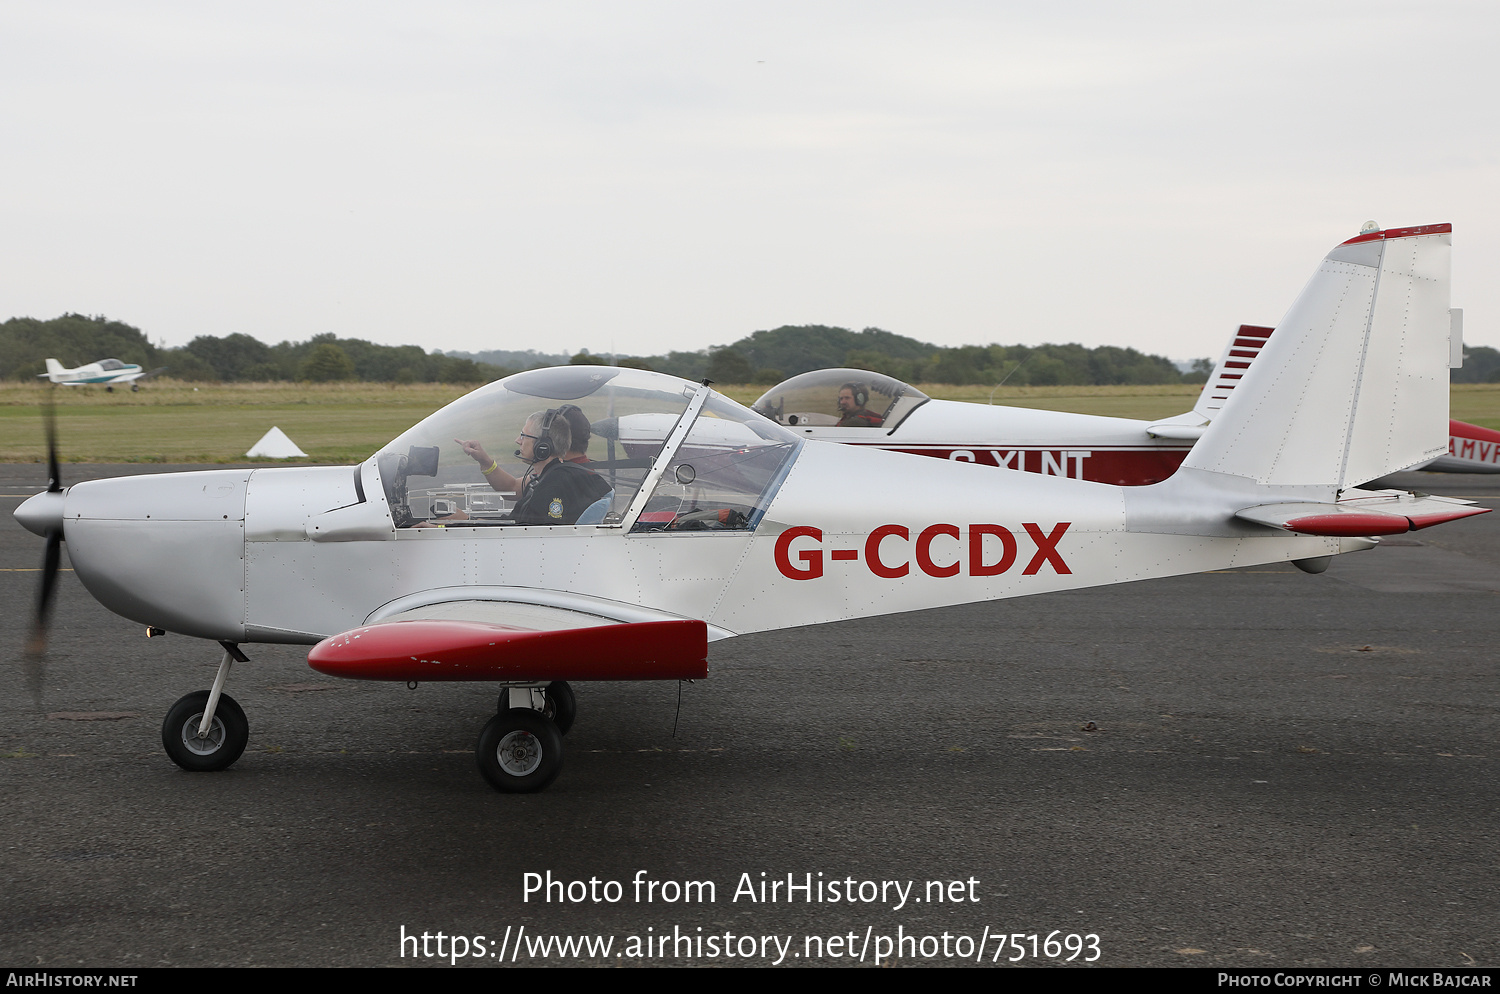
[{"x": 519, "y": 640}]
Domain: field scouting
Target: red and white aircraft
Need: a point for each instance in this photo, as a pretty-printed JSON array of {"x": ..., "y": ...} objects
[
  {"x": 1471, "y": 449},
  {"x": 718, "y": 522},
  {"x": 859, "y": 407}
]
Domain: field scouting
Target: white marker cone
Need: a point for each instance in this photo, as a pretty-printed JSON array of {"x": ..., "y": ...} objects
[{"x": 275, "y": 445}]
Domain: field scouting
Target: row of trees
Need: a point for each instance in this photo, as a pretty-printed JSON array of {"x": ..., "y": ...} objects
[
  {"x": 1481, "y": 365},
  {"x": 770, "y": 356},
  {"x": 324, "y": 358},
  {"x": 765, "y": 357},
  {"x": 73, "y": 339}
]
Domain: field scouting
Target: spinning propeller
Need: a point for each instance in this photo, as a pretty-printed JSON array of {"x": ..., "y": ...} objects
[{"x": 42, "y": 514}]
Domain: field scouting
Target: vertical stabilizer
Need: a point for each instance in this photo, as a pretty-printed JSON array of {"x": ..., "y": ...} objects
[
  {"x": 1353, "y": 385},
  {"x": 1243, "y": 349}
]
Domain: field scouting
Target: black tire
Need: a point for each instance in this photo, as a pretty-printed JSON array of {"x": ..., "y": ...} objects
[
  {"x": 226, "y": 739},
  {"x": 562, "y": 706},
  {"x": 519, "y": 751}
]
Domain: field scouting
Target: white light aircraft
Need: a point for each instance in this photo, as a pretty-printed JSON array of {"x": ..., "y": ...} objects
[
  {"x": 859, "y": 407},
  {"x": 105, "y": 371},
  {"x": 719, "y": 522}
]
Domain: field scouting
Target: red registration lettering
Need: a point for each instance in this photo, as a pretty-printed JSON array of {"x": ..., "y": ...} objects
[
  {"x": 924, "y": 550},
  {"x": 812, "y": 559},
  {"x": 977, "y": 565},
  {"x": 1046, "y": 548},
  {"x": 872, "y": 552}
]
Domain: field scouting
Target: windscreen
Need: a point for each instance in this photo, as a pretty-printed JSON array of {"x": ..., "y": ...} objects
[
  {"x": 723, "y": 475},
  {"x": 840, "y": 398},
  {"x": 625, "y": 416}
]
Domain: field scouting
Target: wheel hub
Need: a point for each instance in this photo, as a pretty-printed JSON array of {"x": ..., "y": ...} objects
[
  {"x": 204, "y": 745},
  {"x": 519, "y": 753}
]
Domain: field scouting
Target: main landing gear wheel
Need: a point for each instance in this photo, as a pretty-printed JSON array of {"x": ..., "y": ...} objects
[
  {"x": 561, "y": 706},
  {"x": 519, "y": 751},
  {"x": 217, "y": 750}
]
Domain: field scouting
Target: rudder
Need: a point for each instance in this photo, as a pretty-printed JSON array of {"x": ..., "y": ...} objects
[{"x": 1353, "y": 385}]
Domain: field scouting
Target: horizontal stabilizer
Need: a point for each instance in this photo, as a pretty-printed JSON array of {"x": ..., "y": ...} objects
[
  {"x": 1367, "y": 513},
  {"x": 424, "y": 650},
  {"x": 1185, "y": 433}
]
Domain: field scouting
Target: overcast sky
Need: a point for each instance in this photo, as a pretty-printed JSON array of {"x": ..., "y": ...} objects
[{"x": 654, "y": 176}]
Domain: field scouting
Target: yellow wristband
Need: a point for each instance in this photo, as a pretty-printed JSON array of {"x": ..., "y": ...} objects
[{"x": 494, "y": 464}]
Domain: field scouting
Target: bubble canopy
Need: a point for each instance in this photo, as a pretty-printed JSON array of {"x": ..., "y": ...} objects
[
  {"x": 716, "y": 470},
  {"x": 812, "y": 400}
]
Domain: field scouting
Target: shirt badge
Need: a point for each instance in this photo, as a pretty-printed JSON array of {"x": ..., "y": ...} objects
[{"x": 554, "y": 509}]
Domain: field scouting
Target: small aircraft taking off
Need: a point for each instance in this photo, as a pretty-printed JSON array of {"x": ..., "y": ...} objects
[
  {"x": 699, "y": 520},
  {"x": 859, "y": 407},
  {"x": 105, "y": 371}
]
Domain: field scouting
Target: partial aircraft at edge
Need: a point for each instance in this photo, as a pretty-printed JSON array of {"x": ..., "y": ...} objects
[
  {"x": 720, "y": 522},
  {"x": 860, "y": 407},
  {"x": 105, "y": 371}
]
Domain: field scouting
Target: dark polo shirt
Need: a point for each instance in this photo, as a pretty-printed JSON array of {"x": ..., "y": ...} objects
[{"x": 559, "y": 495}]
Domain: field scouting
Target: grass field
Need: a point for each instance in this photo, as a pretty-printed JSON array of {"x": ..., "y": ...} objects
[{"x": 174, "y": 422}]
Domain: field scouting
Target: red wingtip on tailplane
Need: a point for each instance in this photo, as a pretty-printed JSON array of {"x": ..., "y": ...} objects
[
  {"x": 1349, "y": 524},
  {"x": 1428, "y": 520},
  {"x": 425, "y": 650},
  {"x": 1421, "y": 229}
]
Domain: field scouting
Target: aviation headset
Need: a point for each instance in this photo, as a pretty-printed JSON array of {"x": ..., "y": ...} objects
[
  {"x": 542, "y": 448},
  {"x": 861, "y": 395}
]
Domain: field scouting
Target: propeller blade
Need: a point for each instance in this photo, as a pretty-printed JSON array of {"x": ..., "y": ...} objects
[
  {"x": 49, "y": 424},
  {"x": 36, "y": 643}
]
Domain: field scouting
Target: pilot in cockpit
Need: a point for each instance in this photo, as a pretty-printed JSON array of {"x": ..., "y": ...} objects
[
  {"x": 555, "y": 489},
  {"x": 852, "y": 411}
]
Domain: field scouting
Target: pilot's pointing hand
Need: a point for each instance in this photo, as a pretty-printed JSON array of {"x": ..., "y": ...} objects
[{"x": 474, "y": 451}]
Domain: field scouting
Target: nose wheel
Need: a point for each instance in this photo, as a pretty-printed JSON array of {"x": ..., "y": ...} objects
[
  {"x": 204, "y": 746},
  {"x": 200, "y": 751},
  {"x": 519, "y": 751}
]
